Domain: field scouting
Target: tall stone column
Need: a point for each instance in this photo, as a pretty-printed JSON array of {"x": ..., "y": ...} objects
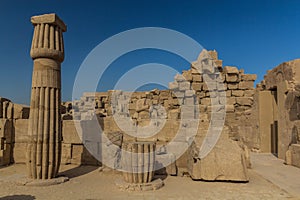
[{"x": 47, "y": 52}]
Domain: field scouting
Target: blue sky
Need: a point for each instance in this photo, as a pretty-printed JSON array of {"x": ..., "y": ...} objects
[{"x": 254, "y": 35}]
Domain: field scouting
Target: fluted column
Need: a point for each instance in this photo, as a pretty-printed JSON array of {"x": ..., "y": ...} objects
[
  {"x": 138, "y": 161},
  {"x": 44, "y": 131}
]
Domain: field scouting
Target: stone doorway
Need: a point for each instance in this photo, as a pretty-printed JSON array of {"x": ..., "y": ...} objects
[{"x": 274, "y": 125}]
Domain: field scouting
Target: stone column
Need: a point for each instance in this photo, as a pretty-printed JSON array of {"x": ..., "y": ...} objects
[
  {"x": 44, "y": 131},
  {"x": 138, "y": 161}
]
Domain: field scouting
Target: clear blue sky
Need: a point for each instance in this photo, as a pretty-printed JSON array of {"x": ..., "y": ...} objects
[{"x": 254, "y": 35}]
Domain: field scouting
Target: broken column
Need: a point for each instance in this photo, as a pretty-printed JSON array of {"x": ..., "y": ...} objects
[
  {"x": 138, "y": 163},
  {"x": 138, "y": 160},
  {"x": 44, "y": 129}
]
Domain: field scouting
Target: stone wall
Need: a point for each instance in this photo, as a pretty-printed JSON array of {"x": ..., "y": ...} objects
[
  {"x": 204, "y": 96},
  {"x": 13, "y": 131},
  {"x": 161, "y": 111},
  {"x": 279, "y": 99}
]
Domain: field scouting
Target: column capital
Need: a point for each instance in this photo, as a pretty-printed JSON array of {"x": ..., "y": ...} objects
[
  {"x": 47, "y": 39},
  {"x": 49, "y": 19}
]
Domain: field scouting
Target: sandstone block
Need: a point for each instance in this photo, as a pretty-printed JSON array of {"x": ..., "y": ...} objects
[
  {"x": 173, "y": 114},
  {"x": 140, "y": 104},
  {"x": 187, "y": 75},
  {"x": 201, "y": 94},
  {"x": 249, "y": 77},
  {"x": 189, "y": 93},
  {"x": 209, "y": 86},
  {"x": 225, "y": 162},
  {"x": 295, "y": 155},
  {"x": 230, "y": 100},
  {"x": 144, "y": 115},
  {"x": 188, "y": 113},
  {"x": 213, "y": 54},
  {"x": 197, "y": 78},
  {"x": 164, "y": 94},
  {"x": 179, "y": 78},
  {"x": 77, "y": 151},
  {"x": 197, "y": 86},
  {"x": 189, "y": 101},
  {"x": 215, "y": 108},
  {"x": 206, "y": 101},
  {"x": 232, "y": 78},
  {"x": 21, "y": 130},
  {"x": 230, "y": 108},
  {"x": 219, "y": 63},
  {"x": 70, "y": 133},
  {"x": 233, "y": 86},
  {"x": 228, "y": 93},
  {"x": 66, "y": 154},
  {"x": 184, "y": 86},
  {"x": 237, "y": 93},
  {"x": 249, "y": 93},
  {"x": 173, "y": 85},
  {"x": 231, "y": 70},
  {"x": 244, "y": 101},
  {"x": 202, "y": 108},
  {"x": 20, "y": 152},
  {"x": 21, "y": 111},
  {"x": 246, "y": 85}
]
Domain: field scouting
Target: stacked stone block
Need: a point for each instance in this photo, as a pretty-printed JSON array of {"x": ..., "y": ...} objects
[{"x": 13, "y": 131}]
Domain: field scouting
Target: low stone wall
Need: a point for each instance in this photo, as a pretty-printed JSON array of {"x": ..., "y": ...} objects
[{"x": 13, "y": 131}]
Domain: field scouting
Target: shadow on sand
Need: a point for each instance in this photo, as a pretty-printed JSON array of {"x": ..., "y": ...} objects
[
  {"x": 78, "y": 171},
  {"x": 18, "y": 197}
]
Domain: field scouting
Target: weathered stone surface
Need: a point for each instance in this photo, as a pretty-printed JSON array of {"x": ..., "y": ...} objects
[
  {"x": 232, "y": 78},
  {"x": 232, "y": 86},
  {"x": 21, "y": 130},
  {"x": 20, "y": 153},
  {"x": 249, "y": 93},
  {"x": 249, "y": 77},
  {"x": 231, "y": 70},
  {"x": 237, "y": 93},
  {"x": 244, "y": 101},
  {"x": 179, "y": 78},
  {"x": 173, "y": 85},
  {"x": 70, "y": 134},
  {"x": 66, "y": 154},
  {"x": 184, "y": 86},
  {"x": 21, "y": 111},
  {"x": 213, "y": 54},
  {"x": 187, "y": 75},
  {"x": 294, "y": 152},
  {"x": 197, "y": 86},
  {"x": 197, "y": 78},
  {"x": 226, "y": 162},
  {"x": 246, "y": 85},
  {"x": 230, "y": 108}
]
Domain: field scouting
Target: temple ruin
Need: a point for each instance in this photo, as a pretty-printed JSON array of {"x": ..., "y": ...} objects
[{"x": 263, "y": 119}]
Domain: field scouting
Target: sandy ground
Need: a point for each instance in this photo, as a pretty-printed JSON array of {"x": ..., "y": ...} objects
[{"x": 88, "y": 182}]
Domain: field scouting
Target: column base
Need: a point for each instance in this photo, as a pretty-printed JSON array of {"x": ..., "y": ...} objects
[
  {"x": 41, "y": 182},
  {"x": 153, "y": 185}
]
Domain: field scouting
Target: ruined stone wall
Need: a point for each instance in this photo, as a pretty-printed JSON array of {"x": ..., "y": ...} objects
[
  {"x": 164, "y": 107},
  {"x": 279, "y": 98},
  {"x": 13, "y": 121},
  {"x": 172, "y": 115}
]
